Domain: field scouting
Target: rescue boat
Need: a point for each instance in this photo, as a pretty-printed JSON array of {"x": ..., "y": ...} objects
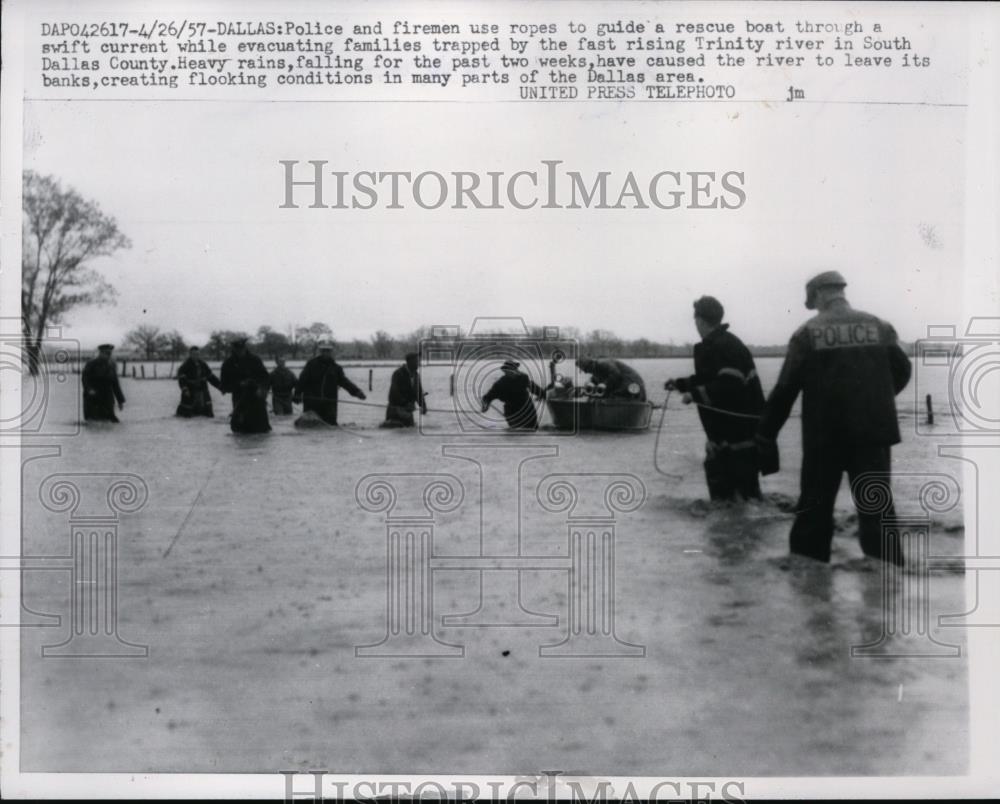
[{"x": 587, "y": 408}]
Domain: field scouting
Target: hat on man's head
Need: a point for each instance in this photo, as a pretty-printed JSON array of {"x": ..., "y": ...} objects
[
  {"x": 325, "y": 345},
  {"x": 510, "y": 365},
  {"x": 238, "y": 342},
  {"x": 709, "y": 309},
  {"x": 106, "y": 347},
  {"x": 827, "y": 279},
  {"x": 411, "y": 356}
]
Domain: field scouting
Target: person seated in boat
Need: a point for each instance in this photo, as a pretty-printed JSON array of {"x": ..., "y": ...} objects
[
  {"x": 619, "y": 379},
  {"x": 562, "y": 388},
  {"x": 515, "y": 389}
]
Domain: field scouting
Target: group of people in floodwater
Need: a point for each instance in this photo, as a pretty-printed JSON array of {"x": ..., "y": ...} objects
[
  {"x": 317, "y": 387},
  {"x": 847, "y": 364}
]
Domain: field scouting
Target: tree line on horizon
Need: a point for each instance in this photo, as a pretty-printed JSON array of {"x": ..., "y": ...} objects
[{"x": 149, "y": 342}]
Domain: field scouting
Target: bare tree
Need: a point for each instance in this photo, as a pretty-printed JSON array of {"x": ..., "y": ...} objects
[
  {"x": 271, "y": 342},
  {"x": 175, "y": 344},
  {"x": 308, "y": 337},
  {"x": 146, "y": 339},
  {"x": 62, "y": 234},
  {"x": 383, "y": 344},
  {"x": 219, "y": 341}
]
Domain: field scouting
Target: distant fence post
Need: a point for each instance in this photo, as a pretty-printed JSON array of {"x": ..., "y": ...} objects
[
  {"x": 369, "y": 379},
  {"x": 930, "y": 409},
  {"x": 133, "y": 372},
  {"x": 142, "y": 371}
]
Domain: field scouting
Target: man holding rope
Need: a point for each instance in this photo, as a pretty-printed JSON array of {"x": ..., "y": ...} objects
[
  {"x": 729, "y": 396},
  {"x": 405, "y": 394},
  {"x": 320, "y": 383},
  {"x": 849, "y": 368}
]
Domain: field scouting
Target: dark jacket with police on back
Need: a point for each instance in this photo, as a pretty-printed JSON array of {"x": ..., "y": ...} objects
[
  {"x": 850, "y": 368},
  {"x": 726, "y": 378}
]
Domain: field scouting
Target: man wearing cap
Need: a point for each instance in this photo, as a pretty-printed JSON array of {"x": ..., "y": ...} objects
[
  {"x": 243, "y": 375},
  {"x": 101, "y": 388},
  {"x": 194, "y": 376},
  {"x": 514, "y": 389},
  {"x": 320, "y": 383},
  {"x": 619, "y": 379},
  {"x": 849, "y": 368},
  {"x": 727, "y": 390},
  {"x": 282, "y": 381},
  {"x": 405, "y": 393}
]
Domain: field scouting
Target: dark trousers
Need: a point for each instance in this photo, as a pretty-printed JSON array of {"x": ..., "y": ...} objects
[
  {"x": 398, "y": 416},
  {"x": 822, "y": 471},
  {"x": 522, "y": 417},
  {"x": 99, "y": 407},
  {"x": 249, "y": 413},
  {"x": 281, "y": 404},
  {"x": 731, "y": 473},
  {"x": 325, "y": 408}
]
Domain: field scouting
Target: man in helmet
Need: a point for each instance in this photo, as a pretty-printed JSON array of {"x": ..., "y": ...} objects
[
  {"x": 849, "y": 368},
  {"x": 729, "y": 396}
]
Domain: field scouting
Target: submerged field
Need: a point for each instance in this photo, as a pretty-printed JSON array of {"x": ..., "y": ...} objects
[{"x": 252, "y": 573}]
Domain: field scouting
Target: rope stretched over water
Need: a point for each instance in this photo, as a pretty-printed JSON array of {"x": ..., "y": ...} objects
[
  {"x": 659, "y": 430},
  {"x": 656, "y": 446}
]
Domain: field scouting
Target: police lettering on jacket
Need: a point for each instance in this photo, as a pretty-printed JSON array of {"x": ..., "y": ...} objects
[
  {"x": 849, "y": 367},
  {"x": 837, "y": 335}
]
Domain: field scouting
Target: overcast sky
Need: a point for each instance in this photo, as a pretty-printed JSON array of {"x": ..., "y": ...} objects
[{"x": 872, "y": 191}]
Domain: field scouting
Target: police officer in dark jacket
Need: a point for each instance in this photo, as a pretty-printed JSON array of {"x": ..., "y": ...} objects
[
  {"x": 194, "y": 376},
  {"x": 619, "y": 379},
  {"x": 405, "y": 393},
  {"x": 101, "y": 388},
  {"x": 725, "y": 378},
  {"x": 849, "y": 368},
  {"x": 515, "y": 389},
  {"x": 243, "y": 375},
  {"x": 319, "y": 384}
]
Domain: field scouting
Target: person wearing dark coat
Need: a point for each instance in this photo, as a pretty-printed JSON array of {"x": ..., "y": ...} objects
[
  {"x": 849, "y": 368},
  {"x": 101, "y": 388},
  {"x": 515, "y": 390},
  {"x": 194, "y": 376},
  {"x": 283, "y": 381},
  {"x": 405, "y": 394},
  {"x": 320, "y": 382},
  {"x": 619, "y": 379},
  {"x": 725, "y": 378},
  {"x": 243, "y": 375}
]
